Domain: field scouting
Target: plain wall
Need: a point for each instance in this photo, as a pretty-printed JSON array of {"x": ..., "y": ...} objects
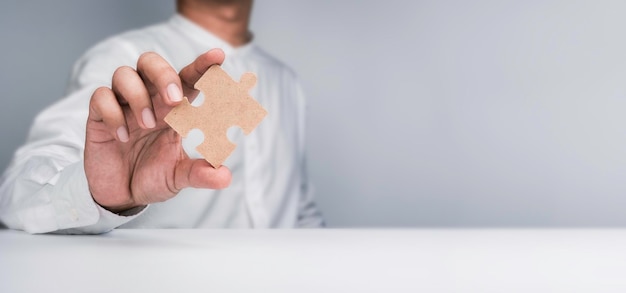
[{"x": 421, "y": 113}]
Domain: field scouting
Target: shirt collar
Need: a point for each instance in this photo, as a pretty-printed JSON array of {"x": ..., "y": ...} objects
[{"x": 207, "y": 38}]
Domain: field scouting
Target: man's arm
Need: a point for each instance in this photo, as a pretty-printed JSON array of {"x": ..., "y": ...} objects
[
  {"x": 105, "y": 151},
  {"x": 45, "y": 187}
]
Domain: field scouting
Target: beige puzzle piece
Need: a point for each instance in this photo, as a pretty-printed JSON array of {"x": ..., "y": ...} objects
[{"x": 226, "y": 103}]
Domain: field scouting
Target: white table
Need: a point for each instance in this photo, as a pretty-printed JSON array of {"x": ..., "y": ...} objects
[{"x": 421, "y": 260}]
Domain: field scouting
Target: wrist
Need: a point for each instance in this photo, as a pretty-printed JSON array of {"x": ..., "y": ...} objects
[
  {"x": 118, "y": 208},
  {"x": 124, "y": 210}
]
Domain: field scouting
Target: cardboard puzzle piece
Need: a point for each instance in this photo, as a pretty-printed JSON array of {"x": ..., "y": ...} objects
[{"x": 226, "y": 103}]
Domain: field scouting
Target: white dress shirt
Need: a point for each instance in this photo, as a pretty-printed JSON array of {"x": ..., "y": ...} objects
[{"x": 45, "y": 188}]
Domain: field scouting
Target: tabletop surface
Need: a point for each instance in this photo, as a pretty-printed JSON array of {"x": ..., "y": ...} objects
[{"x": 330, "y": 260}]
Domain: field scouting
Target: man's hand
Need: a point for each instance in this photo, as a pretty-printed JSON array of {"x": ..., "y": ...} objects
[{"x": 132, "y": 157}]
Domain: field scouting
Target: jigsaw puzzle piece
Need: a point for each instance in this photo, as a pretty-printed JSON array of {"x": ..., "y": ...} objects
[
  {"x": 226, "y": 103},
  {"x": 177, "y": 118}
]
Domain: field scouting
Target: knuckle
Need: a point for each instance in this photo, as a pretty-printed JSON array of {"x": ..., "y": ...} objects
[
  {"x": 122, "y": 77},
  {"x": 146, "y": 57},
  {"x": 103, "y": 103},
  {"x": 152, "y": 64},
  {"x": 121, "y": 71},
  {"x": 99, "y": 95}
]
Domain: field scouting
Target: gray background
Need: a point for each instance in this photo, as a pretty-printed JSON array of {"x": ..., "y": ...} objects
[{"x": 422, "y": 113}]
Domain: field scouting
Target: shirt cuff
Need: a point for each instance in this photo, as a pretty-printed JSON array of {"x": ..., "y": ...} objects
[
  {"x": 108, "y": 221},
  {"x": 77, "y": 212}
]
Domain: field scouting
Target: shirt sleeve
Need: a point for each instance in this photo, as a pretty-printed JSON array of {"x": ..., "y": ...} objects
[
  {"x": 45, "y": 189},
  {"x": 309, "y": 215}
]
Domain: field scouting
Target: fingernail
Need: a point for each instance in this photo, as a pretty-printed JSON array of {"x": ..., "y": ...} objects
[
  {"x": 122, "y": 134},
  {"x": 148, "y": 118},
  {"x": 174, "y": 93}
]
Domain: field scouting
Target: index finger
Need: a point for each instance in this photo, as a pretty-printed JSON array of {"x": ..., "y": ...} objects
[{"x": 192, "y": 72}]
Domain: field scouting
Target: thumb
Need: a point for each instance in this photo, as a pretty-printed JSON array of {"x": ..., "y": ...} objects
[
  {"x": 198, "y": 173},
  {"x": 192, "y": 72}
]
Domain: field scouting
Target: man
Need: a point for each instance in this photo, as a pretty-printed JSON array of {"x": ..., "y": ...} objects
[{"x": 103, "y": 158}]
